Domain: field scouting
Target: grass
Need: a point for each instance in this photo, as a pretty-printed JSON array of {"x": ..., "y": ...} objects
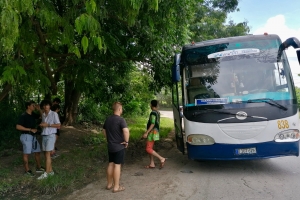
[
  {"x": 83, "y": 163},
  {"x": 137, "y": 127}
]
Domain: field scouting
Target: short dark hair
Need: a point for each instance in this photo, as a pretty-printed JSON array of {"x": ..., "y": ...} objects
[
  {"x": 45, "y": 102},
  {"x": 29, "y": 103},
  {"x": 42, "y": 103},
  {"x": 57, "y": 100},
  {"x": 154, "y": 103},
  {"x": 55, "y": 107}
]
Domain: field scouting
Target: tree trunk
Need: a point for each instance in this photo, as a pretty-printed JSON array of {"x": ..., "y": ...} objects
[
  {"x": 72, "y": 96},
  {"x": 48, "y": 96},
  {"x": 6, "y": 89}
]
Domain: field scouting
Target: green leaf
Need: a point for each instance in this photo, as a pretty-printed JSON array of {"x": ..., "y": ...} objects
[
  {"x": 75, "y": 50},
  {"x": 84, "y": 43},
  {"x": 80, "y": 23},
  {"x": 99, "y": 42},
  {"x": 90, "y": 6}
]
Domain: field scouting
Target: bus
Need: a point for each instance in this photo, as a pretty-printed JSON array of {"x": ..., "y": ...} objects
[{"x": 238, "y": 99}]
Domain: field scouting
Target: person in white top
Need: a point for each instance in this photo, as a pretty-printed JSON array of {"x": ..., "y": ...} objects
[{"x": 50, "y": 123}]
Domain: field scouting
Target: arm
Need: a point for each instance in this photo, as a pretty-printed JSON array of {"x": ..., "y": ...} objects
[
  {"x": 55, "y": 124},
  {"x": 153, "y": 119},
  {"x": 22, "y": 128},
  {"x": 148, "y": 131},
  {"x": 44, "y": 125},
  {"x": 104, "y": 132},
  {"x": 126, "y": 136}
]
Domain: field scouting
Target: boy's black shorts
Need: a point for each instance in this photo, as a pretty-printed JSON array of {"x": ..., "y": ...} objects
[{"x": 117, "y": 157}]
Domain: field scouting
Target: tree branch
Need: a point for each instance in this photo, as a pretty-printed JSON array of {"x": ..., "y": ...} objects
[{"x": 7, "y": 88}]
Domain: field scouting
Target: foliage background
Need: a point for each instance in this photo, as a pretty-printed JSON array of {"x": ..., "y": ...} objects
[{"x": 91, "y": 53}]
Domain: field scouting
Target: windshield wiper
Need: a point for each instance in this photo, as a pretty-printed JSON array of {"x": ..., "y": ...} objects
[
  {"x": 217, "y": 111},
  {"x": 268, "y": 101},
  {"x": 211, "y": 110}
]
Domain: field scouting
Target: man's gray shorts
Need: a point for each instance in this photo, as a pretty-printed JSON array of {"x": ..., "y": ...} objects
[
  {"x": 48, "y": 142},
  {"x": 30, "y": 144}
]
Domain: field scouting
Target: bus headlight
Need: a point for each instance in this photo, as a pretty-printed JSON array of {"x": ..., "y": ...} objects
[
  {"x": 287, "y": 136},
  {"x": 200, "y": 140}
]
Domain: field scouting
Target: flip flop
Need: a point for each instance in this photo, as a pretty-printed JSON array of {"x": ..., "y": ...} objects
[
  {"x": 120, "y": 189},
  {"x": 149, "y": 167},
  {"x": 162, "y": 164},
  {"x": 109, "y": 188}
]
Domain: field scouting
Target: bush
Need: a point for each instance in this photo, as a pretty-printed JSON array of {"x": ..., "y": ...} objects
[
  {"x": 8, "y": 120},
  {"x": 136, "y": 108},
  {"x": 90, "y": 111}
]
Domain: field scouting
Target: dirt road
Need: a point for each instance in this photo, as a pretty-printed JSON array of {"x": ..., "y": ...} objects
[
  {"x": 140, "y": 183},
  {"x": 276, "y": 178}
]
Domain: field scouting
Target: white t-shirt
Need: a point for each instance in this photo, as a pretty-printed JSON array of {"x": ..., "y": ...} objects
[{"x": 51, "y": 118}]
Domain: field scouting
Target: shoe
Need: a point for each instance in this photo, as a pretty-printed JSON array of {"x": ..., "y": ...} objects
[
  {"x": 149, "y": 167},
  {"x": 55, "y": 155},
  {"x": 51, "y": 173},
  {"x": 29, "y": 173},
  {"x": 40, "y": 170},
  {"x": 109, "y": 188},
  {"x": 43, "y": 176},
  {"x": 120, "y": 189},
  {"x": 162, "y": 164}
]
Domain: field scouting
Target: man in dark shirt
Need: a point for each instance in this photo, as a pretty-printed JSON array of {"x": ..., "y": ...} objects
[
  {"x": 27, "y": 126},
  {"x": 117, "y": 135}
]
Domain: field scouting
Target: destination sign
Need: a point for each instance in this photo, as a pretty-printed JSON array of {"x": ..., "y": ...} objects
[
  {"x": 212, "y": 101},
  {"x": 234, "y": 52}
]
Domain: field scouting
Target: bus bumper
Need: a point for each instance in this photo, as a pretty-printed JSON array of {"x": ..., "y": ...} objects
[{"x": 231, "y": 151}]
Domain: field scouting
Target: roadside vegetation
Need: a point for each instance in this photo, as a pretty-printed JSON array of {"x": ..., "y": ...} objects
[
  {"x": 82, "y": 161},
  {"x": 90, "y": 54}
]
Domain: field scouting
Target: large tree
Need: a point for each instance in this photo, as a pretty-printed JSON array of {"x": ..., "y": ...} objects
[{"x": 93, "y": 45}]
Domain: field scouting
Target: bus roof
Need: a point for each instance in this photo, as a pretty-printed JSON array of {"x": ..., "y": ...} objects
[{"x": 228, "y": 39}]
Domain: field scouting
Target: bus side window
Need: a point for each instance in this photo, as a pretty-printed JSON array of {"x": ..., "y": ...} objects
[{"x": 280, "y": 79}]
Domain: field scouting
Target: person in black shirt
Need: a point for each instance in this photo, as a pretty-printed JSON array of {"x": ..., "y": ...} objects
[
  {"x": 27, "y": 126},
  {"x": 117, "y": 135}
]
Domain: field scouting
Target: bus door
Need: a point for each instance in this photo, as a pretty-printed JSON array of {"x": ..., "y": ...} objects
[
  {"x": 175, "y": 104},
  {"x": 177, "y": 119}
]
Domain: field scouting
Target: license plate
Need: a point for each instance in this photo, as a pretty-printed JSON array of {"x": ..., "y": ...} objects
[{"x": 247, "y": 151}]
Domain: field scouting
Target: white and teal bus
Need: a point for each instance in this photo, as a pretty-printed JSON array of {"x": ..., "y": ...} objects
[{"x": 238, "y": 98}]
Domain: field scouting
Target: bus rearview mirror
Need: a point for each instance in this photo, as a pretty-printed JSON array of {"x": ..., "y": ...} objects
[
  {"x": 294, "y": 42},
  {"x": 298, "y": 55},
  {"x": 175, "y": 73},
  {"x": 177, "y": 59},
  {"x": 176, "y": 68}
]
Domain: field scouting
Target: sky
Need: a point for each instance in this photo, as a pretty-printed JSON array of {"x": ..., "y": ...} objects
[{"x": 281, "y": 17}]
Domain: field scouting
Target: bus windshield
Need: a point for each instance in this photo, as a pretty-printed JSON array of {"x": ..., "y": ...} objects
[{"x": 236, "y": 72}]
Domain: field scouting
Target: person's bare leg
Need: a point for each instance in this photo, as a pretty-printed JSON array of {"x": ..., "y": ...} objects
[
  {"x": 116, "y": 175},
  {"x": 48, "y": 161},
  {"x": 149, "y": 149},
  {"x": 56, "y": 137},
  {"x": 162, "y": 159},
  {"x": 152, "y": 164},
  {"x": 25, "y": 162},
  {"x": 38, "y": 159},
  {"x": 109, "y": 174}
]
